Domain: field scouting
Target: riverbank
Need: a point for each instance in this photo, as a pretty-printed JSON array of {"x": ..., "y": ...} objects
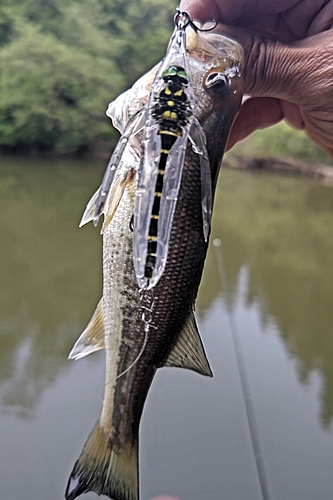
[
  {"x": 288, "y": 166},
  {"x": 279, "y": 149}
]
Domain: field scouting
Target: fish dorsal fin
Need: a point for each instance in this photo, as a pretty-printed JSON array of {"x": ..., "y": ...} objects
[
  {"x": 92, "y": 338},
  {"x": 189, "y": 352}
]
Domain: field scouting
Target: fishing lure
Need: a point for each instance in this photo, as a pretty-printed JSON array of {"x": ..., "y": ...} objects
[{"x": 167, "y": 123}]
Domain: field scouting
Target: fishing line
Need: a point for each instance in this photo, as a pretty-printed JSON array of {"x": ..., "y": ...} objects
[
  {"x": 246, "y": 389},
  {"x": 146, "y": 318},
  {"x": 146, "y": 329}
]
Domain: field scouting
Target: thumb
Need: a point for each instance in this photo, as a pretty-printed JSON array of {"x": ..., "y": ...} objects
[
  {"x": 264, "y": 74},
  {"x": 286, "y": 81},
  {"x": 292, "y": 72},
  {"x": 267, "y": 79}
]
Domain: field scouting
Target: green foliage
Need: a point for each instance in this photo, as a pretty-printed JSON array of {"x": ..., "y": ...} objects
[
  {"x": 52, "y": 96},
  {"x": 6, "y": 26},
  {"x": 62, "y": 62}
]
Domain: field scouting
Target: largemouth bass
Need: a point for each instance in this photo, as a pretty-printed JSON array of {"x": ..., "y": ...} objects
[{"x": 144, "y": 330}]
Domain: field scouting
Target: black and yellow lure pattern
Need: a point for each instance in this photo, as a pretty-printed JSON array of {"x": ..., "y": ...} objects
[
  {"x": 166, "y": 122},
  {"x": 171, "y": 111},
  {"x": 170, "y": 124}
]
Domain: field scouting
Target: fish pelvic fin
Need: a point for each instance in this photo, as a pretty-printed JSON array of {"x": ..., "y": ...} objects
[
  {"x": 92, "y": 338},
  {"x": 105, "y": 469},
  {"x": 189, "y": 352}
]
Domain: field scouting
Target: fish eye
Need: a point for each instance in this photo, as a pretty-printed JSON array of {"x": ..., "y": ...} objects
[{"x": 218, "y": 83}]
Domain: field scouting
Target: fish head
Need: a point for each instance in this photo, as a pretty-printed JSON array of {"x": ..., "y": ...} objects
[{"x": 216, "y": 64}]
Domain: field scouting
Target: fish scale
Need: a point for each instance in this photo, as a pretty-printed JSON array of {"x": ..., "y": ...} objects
[{"x": 182, "y": 277}]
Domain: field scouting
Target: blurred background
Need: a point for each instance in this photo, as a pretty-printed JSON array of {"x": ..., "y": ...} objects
[
  {"x": 264, "y": 308},
  {"x": 63, "y": 61}
]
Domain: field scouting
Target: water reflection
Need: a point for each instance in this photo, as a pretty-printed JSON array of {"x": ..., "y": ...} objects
[
  {"x": 49, "y": 272},
  {"x": 281, "y": 230}
]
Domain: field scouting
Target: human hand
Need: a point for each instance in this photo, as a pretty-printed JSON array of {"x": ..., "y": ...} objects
[
  {"x": 287, "y": 20},
  {"x": 289, "y": 75}
]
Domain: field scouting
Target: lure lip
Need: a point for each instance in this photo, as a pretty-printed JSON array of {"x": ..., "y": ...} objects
[{"x": 214, "y": 78}]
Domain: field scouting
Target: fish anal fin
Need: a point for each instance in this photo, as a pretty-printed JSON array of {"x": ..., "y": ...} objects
[
  {"x": 189, "y": 352},
  {"x": 92, "y": 338},
  {"x": 105, "y": 469}
]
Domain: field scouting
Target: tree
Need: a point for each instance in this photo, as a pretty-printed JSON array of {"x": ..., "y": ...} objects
[{"x": 62, "y": 63}]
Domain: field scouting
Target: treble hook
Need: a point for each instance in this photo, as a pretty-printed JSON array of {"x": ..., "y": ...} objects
[{"x": 182, "y": 19}]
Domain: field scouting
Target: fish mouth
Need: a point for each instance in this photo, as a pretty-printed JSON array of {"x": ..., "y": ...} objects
[{"x": 218, "y": 83}]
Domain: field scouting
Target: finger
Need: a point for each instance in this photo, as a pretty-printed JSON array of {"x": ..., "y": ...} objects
[
  {"x": 262, "y": 56},
  {"x": 227, "y": 11},
  {"x": 200, "y": 10},
  {"x": 261, "y": 112},
  {"x": 255, "y": 113},
  {"x": 286, "y": 71},
  {"x": 320, "y": 131},
  {"x": 323, "y": 20}
]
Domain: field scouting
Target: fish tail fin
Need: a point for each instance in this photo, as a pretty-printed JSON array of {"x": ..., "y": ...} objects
[{"x": 105, "y": 468}]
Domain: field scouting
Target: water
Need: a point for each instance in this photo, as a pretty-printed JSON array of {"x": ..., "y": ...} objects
[{"x": 195, "y": 443}]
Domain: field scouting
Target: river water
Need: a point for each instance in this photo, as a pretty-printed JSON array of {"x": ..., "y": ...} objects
[{"x": 260, "y": 429}]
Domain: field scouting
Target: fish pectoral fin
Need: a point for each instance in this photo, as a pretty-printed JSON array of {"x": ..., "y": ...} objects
[
  {"x": 105, "y": 468},
  {"x": 89, "y": 212},
  {"x": 189, "y": 352},
  {"x": 116, "y": 194},
  {"x": 113, "y": 200},
  {"x": 92, "y": 338}
]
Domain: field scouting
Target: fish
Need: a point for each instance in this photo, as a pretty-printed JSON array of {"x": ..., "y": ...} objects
[{"x": 143, "y": 330}]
